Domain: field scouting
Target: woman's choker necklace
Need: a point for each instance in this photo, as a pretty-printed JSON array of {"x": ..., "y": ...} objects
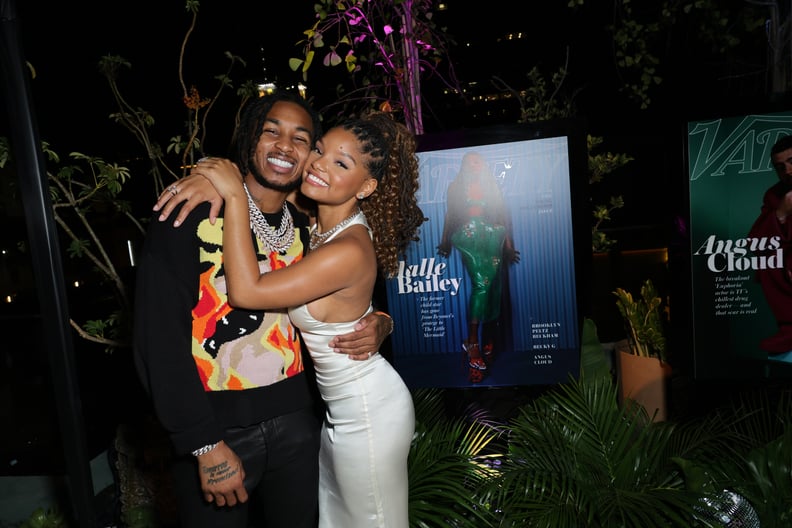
[
  {"x": 277, "y": 241},
  {"x": 317, "y": 239}
]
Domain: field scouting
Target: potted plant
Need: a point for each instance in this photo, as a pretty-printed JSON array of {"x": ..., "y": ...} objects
[{"x": 642, "y": 368}]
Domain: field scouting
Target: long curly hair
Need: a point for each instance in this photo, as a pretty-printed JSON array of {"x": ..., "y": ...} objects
[{"x": 392, "y": 210}]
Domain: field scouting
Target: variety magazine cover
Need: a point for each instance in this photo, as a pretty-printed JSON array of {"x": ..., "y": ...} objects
[{"x": 730, "y": 170}]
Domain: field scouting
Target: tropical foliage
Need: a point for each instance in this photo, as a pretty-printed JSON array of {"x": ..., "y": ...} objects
[
  {"x": 757, "y": 465},
  {"x": 41, "y": 518},
  {"x": 574, "y": 457},
  {"x": 451, "y": 457},
  {"x": 87, "y": 193},
  {"x": 577, "y": 459}
]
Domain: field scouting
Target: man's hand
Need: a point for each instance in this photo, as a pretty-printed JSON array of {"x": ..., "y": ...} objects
[
  {"x": 370, "y": 332},
  {"x": 221, "y": 474}
]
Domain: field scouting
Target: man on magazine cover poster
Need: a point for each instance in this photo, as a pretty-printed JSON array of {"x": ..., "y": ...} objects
[{"x": 771, "y": 234}]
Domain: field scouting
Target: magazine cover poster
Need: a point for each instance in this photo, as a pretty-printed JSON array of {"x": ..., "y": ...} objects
[
  {"x": 740, "y": 255},
  {"x": 495, "y": 259}
]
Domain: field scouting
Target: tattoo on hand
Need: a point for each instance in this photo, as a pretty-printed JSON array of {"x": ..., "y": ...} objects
[{"x": 219, "y": 473}]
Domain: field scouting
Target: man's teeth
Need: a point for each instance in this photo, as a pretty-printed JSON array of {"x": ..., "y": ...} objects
[{"x": 281, "y": 163}]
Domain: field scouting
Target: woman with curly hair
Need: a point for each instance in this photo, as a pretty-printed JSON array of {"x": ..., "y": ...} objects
[{"x": 363, "y": 178}]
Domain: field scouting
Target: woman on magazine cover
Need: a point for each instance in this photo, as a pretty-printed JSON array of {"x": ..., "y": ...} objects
[{"x": 477, "y": 224}]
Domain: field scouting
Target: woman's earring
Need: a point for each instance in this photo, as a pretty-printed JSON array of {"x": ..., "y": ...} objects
[{"x": 361, "y": 196}]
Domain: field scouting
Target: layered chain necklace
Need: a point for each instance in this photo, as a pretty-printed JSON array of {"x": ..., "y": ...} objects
[
  {"x": 278, "y": 241},
  {"x": 317, "y": 239}
]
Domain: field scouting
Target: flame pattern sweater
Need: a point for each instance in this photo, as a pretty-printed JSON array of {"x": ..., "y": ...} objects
[{"x": 206, "y": 365}]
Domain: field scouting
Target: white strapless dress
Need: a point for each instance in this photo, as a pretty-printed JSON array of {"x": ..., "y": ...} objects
[{"x": 366, "y": 434}]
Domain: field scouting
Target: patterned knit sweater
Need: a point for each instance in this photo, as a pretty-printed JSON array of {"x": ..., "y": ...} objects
[{"x": 206, "y": 365}]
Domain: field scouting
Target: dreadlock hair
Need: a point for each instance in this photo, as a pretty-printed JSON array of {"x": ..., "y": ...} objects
[
  {"x": 392, "y": 210},
  {"x": 251, "y": 125}
]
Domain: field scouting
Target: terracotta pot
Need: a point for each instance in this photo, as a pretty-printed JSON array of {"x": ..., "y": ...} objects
[{"x": 645, "y": 381}]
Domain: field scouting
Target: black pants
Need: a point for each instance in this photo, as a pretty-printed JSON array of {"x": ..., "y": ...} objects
[{"x": 280, "y": 458}]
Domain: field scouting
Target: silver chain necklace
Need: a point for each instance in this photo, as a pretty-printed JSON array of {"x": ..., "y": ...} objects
[
  {"x": 278, "y": 241},
  {"x": 317, "y": 239}
]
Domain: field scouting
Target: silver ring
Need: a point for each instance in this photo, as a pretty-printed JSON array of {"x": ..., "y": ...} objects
[
  {"x": 202, "y": 159},
  {"x": 173, "y": 190}
]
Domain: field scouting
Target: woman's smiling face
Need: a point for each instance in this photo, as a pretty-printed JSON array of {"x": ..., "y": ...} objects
[{"x": 336, "y": 168}]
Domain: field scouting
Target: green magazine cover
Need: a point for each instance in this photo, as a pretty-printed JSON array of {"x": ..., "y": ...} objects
[{"x": 734, "y": 317}]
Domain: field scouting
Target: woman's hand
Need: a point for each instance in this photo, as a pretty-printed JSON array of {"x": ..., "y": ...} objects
[
  {"x": 511, "y": 255},
  {"x": 444, "y": 249},
  {"x": 224, "y": 176},
  {"x": 192, "y": 190}
]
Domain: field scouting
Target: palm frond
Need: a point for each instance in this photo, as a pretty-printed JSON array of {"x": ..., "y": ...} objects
[
  {"x": 576, "y": 458},
  {"x": 753, "y": 459},
  {"x": 448, "y": 462}
]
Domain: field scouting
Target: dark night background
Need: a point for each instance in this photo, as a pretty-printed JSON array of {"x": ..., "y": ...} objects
[{"x": 63, "y": 41}]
